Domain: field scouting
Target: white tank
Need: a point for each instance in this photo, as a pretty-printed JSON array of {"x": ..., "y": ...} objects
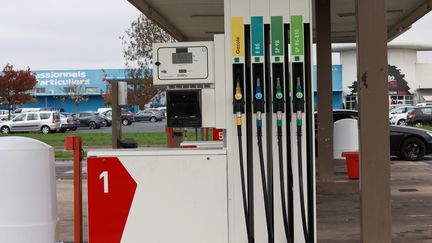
[
  {"x": 345, "y": 137},
  {"x": 28, "y": 201}
]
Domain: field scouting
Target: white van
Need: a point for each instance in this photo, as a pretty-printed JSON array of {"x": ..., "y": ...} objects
[
  {"x": 43, "y": 121},
  {"x": 25, "y": 110}
]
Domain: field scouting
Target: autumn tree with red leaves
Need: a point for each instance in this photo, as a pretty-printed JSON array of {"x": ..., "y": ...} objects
[{"x": 15, "y": 86}]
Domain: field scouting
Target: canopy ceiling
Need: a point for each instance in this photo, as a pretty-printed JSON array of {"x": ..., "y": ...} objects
[{"x": 194, "y": 20}]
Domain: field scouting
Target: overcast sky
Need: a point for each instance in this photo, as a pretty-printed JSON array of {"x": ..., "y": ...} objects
[
  {"x": 83, "y": 34},
  {"x": 64, "y": 34}
]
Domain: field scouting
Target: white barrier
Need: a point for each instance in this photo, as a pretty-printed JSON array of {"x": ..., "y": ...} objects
[
  {"x": 28, "y": 201},
  {"x": 345, "y": 137}
]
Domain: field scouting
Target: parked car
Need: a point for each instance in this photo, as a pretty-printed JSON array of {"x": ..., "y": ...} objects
[
  {"x": 127, "y": 117},
  {"x": 75, "y": 120},
  {"x": 149, "y": 115},
  {"x": 43, "y": 121},
  {"x": 398, "y": 116},
  {"x": 4, "y": 115},
  {"x": 25, "y": 110},
  {"x": 90, "y": 119},
  {"x": 103, "y": 110},
  {"x": 427, "y": 103},
  {"x": 68, "y": 121},
  {"x": 420, "y": 116},
  {"x": 163, "y": 110},
  {"x": 405, "y": 142}
]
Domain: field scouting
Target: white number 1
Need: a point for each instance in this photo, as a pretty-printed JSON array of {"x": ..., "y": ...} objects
[{"x": 104, "y": 175}]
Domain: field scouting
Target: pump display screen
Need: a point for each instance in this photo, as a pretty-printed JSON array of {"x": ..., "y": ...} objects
[
  {"x": 181, "y": 58},
  {"x": 182, "y": 63}
]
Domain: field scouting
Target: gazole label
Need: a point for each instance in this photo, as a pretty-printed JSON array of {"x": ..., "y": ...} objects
[
  {"x": 237, "y": 37},
  {"x": 277, "y": 40},
  {"x": 257, "y": 26},
  {"x": 297, "y": 49}
]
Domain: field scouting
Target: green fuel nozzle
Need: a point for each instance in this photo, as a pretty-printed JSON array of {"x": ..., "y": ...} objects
[
  {"x": 300, "y": 103},
  {"x": 299, "y": 92},
  {"x": 278, "y": 101},
  {"x": 279, "y": 94}
]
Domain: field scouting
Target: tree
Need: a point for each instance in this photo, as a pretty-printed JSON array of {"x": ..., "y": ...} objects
[
  {"x": 397, "y": 82},
  {"x": 15, "y": 86},
  {"x": 137, "y": 51},
  {"x": 138, "y": 40},
  {"x": 75, "y": 93}
]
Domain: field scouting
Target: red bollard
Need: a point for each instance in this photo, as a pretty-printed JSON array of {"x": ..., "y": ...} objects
[
  {"x": 352, "y": 160},
  {"x": 169, "y": 133},
  {"x": 75, "y": 143}
]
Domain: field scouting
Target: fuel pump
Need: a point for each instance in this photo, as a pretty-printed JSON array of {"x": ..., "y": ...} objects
[
  {"x": 250, "y": 84},
  {"x": 300, "y": 59}
]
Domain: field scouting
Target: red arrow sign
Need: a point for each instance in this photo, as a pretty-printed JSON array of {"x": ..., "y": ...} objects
[{"x": 111, "y": 190}]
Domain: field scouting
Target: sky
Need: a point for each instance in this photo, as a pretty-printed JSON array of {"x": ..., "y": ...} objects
[
  {"x": 64, "y": 34},
  {"x": 84, "y": 34}
]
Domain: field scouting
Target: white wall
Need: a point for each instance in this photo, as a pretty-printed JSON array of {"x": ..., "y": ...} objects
[
  {"x": 349, "y": 69},
  {"x": 424, "y": 75},
  {"x": 418, "y": 75},
  {"x": 405, "y": 60}
]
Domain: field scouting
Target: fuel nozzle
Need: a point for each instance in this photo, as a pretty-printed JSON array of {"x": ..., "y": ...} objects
[
  {"x": 278, "y": 102},
  {"x": 258, "y": 102},
  {"x": 299, "y": 97},
  {"x": 238, "y": 94},
  {"x": 238, "y": 103}
]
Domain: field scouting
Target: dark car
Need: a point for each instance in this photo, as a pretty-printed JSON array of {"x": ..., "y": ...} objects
[
  {"x": 90, "y": 119},
  {"x": 420, "y": 116},
  {"x": 127, "y": 117},
  {"x": 69, "y": 121},
  {"x": 149, "y": 115},
  {"x": 405, "y": 142},
  {"x": 410, "y": 143}
]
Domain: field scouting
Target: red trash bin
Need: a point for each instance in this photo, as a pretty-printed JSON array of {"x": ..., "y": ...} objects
[{"x": 352, "y": 160}]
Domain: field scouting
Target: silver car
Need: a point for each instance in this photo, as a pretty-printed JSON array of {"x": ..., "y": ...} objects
[
  {"x": 43, "y": 121},
  {"x": 4, "y": 115}
]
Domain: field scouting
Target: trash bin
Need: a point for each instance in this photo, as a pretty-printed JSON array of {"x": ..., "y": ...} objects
[{"x": 352, "y": 161}]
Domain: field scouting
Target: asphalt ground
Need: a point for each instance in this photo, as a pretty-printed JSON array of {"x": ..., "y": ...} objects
[{"x": 338, "y": 212}]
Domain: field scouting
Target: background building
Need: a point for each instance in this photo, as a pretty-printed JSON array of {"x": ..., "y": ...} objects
[
  {"x": 337, "y": 87},
  {"x": 73, "y": 90},
  {"x": 410, "y": 81}
]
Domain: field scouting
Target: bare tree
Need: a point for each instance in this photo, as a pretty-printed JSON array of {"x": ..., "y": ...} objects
[
  {"x": 138, "y": 39},
  {"x": 75, "y": 93},
  {"x": 137, "y": 51}
]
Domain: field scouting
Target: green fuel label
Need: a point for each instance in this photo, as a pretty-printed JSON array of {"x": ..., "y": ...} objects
[
  {"x": 257, "y": 27},
  {"x": 277, "y": 40},
  {"x": 297, "y": 36}
]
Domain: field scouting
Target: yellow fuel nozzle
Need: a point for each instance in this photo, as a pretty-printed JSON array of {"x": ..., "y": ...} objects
[{"x": 238, "y": 94}]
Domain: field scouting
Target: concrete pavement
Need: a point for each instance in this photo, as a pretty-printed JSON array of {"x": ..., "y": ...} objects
[{"x": 337, "y": 211}]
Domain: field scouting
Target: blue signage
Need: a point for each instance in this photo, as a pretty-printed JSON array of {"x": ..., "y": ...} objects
[
  {"x": 61, "y": 82},
  {"x": 336, "y": 86},
  {"x": 336, "y": 78}
]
